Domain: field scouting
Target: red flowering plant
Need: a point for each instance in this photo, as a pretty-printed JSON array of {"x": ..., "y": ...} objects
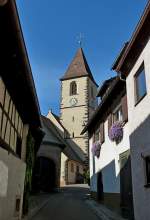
[
  {"x": 96, "y": 147},
  {"x": 116, "y": 131}
]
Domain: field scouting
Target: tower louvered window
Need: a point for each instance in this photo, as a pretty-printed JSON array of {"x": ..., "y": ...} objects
[{"x": 73, "y": 88}]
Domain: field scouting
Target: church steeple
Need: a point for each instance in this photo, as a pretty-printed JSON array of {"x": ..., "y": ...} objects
[{"x": 78, "y": 67}]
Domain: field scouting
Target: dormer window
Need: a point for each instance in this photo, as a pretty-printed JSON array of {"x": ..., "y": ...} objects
[{"x": 73, "y": 88}]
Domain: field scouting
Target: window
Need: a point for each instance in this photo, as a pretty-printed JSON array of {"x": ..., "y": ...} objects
[
  {"x": 140, "y": 84},
  {"x": 73, "y": 118},
  {"x": 73, "y": 88},
  {"x": 11, "y": 124},
  {"x": 17, "y": 206},
  {"x": 147, "y": 163},
  {"x": 77, "y": 169},
  {"x": 73, "y": 134},
  {"x": 97, "y": 136},
  {"x": 72, "y": 167},
  {"x": 117, "y": 114}
]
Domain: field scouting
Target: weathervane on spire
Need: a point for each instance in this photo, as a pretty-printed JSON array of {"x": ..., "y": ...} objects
[{"x": 80, "y": 39}]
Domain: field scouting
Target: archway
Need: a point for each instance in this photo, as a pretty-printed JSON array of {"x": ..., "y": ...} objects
[{"x": 45, "y": 174}]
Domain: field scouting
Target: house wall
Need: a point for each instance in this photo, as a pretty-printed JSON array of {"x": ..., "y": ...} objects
[
  {"x": 11, "y": 124},
  {"x": 108, "y": 163},
  {"x": 72, "y": 174},
  {"x": 12, "y": 177},
  {"x": 63, "y": 179},
  {"x": 12, "y": 168},
  {"x": 139, "y": 123}
]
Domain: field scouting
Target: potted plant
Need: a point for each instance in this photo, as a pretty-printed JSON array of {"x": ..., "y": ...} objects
[
  {"x": 116, "y": 131},
  {"x": 96, "y": 149}
]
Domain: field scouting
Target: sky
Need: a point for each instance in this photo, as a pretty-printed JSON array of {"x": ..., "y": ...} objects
[{"x": 51, "y": 29}]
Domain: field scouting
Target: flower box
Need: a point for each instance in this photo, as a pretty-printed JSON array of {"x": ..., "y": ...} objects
[
  {"x": 116, "y": 131},
  {"x": 96, "y": 149}
]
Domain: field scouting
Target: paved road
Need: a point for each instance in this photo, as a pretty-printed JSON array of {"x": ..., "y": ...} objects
[{"x": 69, "y": 204}]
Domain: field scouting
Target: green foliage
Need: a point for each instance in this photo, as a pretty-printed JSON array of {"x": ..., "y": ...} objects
[
  {"x": 30, "y": 158},
  {"x": 87, "y": 177}
]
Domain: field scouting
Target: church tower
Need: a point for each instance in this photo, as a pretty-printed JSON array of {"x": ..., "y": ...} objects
[{"x": 78, "y": 100}]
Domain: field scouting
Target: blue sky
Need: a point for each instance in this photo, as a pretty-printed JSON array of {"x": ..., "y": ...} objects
[{"x": 51, "y": 28}]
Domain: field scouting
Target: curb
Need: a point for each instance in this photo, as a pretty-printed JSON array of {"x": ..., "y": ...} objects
[
  {"x": 102, "y": 211},
  {"x": 35, "y": 210}
]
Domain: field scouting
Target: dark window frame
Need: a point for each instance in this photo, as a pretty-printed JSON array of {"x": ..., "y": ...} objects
[
  {"x": 117, "y": 109},
  {"x": 9, "y": 119},
  {"x": 72, "y": 167},
  {"x": 138, "y": 98},
  {"x": 97, "y": 135},
  {"x": 73, "y": 88}
]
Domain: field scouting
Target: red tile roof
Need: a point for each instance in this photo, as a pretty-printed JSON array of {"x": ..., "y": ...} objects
[{"x": 78, "y": 67}]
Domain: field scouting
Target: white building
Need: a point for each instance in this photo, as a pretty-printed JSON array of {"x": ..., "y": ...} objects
[
  {"x": 108, "y": 172},
  {"x": 134, "y": 65}
]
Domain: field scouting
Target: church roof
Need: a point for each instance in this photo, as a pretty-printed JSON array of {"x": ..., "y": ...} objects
[{"x": 78, "y": 67}]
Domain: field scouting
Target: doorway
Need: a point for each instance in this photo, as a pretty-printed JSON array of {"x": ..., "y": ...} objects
[
  {"x": 100, "y": 193},
  {"x": 45, "y": 174},
  {"x": 126, "y": 186}
]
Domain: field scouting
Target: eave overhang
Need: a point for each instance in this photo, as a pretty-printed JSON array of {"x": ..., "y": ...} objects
[
  {"x": 104, "y": 106},
  {"x": 138, "y": 41},
  {"x": 15, "y": 69}
]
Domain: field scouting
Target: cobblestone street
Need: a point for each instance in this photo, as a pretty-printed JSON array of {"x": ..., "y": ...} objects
[{"x": 69, "y": 204}]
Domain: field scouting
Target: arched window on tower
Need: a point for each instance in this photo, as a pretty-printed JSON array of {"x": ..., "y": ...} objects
[{"x": 73, "y": 88}]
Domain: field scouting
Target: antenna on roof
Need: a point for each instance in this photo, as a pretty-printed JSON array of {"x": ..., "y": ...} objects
[{"x": 80, "y": 39}]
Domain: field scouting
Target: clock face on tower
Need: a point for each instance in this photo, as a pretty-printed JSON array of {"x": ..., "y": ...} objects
[{"x": 73, "y": 102}]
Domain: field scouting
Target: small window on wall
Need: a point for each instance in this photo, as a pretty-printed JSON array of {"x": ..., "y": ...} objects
[
  {"x": 117, "y": 114},
  {"x": 97, "y": 135},
  {"x": 72, "y": 167},
  {"x": 140, "y": 84},
  {"x": 73, "y": 88},
  {"x": 17, "y": 208},
  {"x": 147, "y": 163}
]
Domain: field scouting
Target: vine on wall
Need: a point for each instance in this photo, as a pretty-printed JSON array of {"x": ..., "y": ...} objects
[{"x": 30, "y": 158}]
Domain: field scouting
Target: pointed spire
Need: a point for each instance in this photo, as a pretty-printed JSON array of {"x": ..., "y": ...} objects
[{"x": 78, "y": 67}]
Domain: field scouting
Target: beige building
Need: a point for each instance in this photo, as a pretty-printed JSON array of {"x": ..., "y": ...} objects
[
  {"x": 78, "y": 101},
  {"x": 60, "y": 161},
  {"x": 18, "y": 115},
  {"x": 63, "y": 143}
]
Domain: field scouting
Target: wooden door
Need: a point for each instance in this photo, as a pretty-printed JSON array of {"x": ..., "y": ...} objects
[{"x": 126, "y": 186}]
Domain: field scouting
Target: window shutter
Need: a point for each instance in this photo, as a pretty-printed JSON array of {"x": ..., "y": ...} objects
[
  {"x": 109, "y": 122},
  {"x": 124, "y": 108},
  {"x": 102, "y": 133}
]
